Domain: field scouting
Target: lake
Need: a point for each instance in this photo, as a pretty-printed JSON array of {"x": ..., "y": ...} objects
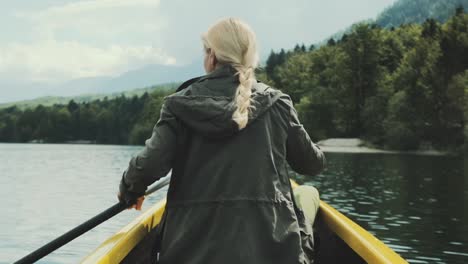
[{"x": 416, "y": 204}]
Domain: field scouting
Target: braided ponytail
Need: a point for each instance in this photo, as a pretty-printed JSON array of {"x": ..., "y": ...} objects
[
  {"x": 243, "y": 93},
  {"x": 233, "y": 42}
]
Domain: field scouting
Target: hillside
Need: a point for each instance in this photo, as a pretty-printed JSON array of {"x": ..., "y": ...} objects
[
  {"x": 406, "y": 12},
  {"x": 417, "y": 11}
]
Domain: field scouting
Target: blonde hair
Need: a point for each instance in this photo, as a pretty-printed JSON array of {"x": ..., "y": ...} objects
[{"x": 234, "y": 42}]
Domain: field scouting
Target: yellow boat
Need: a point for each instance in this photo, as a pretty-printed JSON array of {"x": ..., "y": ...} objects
[{"x": 340, "y": 240}]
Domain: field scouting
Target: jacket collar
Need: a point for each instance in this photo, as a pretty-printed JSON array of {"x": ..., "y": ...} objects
[
  {"x": 222, "y": 71},
  {"x": 225, "y": 70}
]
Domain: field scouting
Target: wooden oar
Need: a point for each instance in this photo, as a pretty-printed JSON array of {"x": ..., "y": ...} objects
[{"x": 85, "y": 227}]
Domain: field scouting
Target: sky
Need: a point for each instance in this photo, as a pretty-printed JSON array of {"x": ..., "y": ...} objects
[{"x": 53, "y": 41}]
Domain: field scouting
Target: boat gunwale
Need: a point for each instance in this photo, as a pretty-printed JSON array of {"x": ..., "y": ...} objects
[
  {"x": 366, "y": 245},
  {"x": 119, "y": 245}
]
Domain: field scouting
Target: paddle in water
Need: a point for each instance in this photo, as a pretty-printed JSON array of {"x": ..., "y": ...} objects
[{"x": 86, "y": 226}]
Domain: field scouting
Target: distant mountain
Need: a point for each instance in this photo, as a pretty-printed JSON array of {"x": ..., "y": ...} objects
[
  {"x": 144, "y": 77},
  {"x": 417, "y": 11},
  {"x": 51, "y": 100}
]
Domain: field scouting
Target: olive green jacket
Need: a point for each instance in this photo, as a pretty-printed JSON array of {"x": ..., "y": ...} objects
[{"x": 229, "y": 199}]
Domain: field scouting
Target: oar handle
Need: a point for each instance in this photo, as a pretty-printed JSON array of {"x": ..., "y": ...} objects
[
  {"x": 83, "y": 228},
  {"x": 158, "y": 185}
]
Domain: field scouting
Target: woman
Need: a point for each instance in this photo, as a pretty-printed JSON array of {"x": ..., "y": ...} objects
[{"x": 228, "y": 140}]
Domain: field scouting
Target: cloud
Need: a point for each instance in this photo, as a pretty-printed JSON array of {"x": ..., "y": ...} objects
[
  {"x": 92, "y": 5},
  {"x": 86, "y": 39},
  {"x": 58, "y": 61},
  {"x": 85, "y": 7},
  {"x": 101, "y": 18}
]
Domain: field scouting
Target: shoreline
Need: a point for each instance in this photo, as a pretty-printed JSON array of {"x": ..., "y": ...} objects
[
  {"x": 357, "y": 146},
  {"x": 330, "y": 145}
]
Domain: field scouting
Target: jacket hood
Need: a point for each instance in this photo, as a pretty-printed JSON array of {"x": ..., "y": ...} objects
[{"x": 207, "y": 104}]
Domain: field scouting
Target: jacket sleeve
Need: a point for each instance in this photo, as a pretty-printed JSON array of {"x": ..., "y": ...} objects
[
  {"x": 156, "y": 158},
  {"x": 302, "y": 154}
]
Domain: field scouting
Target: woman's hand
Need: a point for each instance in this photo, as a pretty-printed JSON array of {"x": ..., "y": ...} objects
[
  {"x": 129, "y": 198},
  {"x": 131, "y": 202}
]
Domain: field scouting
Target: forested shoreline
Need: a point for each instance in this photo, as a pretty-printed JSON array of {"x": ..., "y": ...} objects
[
  {"x": 398, "y": 88},
  {"x": 122, "y": 120},
  {"x": 402, "y": 88}
]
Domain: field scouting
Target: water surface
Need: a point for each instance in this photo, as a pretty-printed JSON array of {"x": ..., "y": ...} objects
[
  {"x": 418, "y": 205},
  {"x": 47, "y": 189}
]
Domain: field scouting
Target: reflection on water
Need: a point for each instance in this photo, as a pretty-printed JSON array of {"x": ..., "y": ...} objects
[{"x": 416, "y": 204}]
